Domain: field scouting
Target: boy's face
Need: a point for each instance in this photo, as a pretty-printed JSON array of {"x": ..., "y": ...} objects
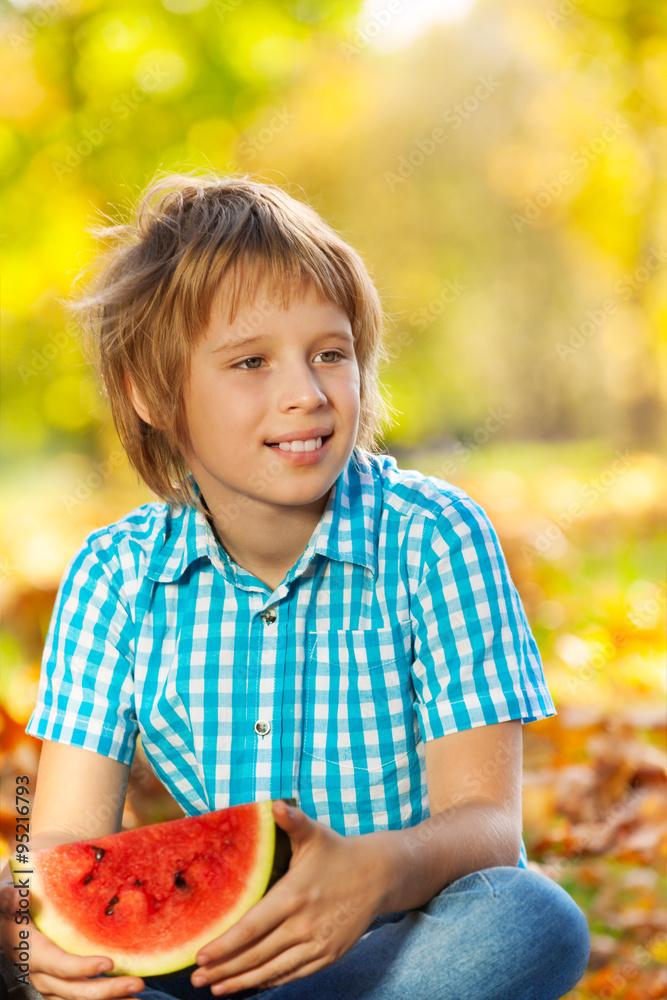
[{"x": 297, "y": 375}]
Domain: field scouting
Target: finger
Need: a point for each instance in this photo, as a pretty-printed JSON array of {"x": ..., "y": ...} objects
[
  {"x": 62, "y": 965},
  {"x": 87, "y": 989},
  {"x": 260, "y": 920},
  {"x": 293, "y": 972},
  {"x": 290, "y": 965},
  {"x": 268, "y": 948}
]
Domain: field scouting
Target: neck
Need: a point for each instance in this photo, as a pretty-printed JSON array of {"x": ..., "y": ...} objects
[{"x": 267, "y": 540}]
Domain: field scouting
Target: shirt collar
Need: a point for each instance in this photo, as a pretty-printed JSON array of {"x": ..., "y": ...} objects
[
  {"x": 187, "y": 536},
  {"x": 347, "y": 530}
]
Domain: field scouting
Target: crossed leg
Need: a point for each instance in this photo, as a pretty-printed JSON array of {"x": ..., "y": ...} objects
[{"x": 498, "y": 934}]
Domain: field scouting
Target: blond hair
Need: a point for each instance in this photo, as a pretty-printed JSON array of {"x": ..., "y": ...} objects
[{"x": 149, "y": 303}]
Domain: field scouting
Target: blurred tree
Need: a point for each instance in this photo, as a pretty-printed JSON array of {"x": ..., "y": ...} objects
[
  {"x": 503, "y": 178},
  {"x": 97, "y": 95}
]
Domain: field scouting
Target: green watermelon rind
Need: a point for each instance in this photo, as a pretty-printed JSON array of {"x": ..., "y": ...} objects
[{"x": 51, "y": 921}]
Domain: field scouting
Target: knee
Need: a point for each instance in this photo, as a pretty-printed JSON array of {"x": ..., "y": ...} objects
[{"x": 546, "y": 924}]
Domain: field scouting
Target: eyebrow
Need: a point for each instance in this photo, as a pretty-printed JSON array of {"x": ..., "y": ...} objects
[{"x": 258, "y": 338}]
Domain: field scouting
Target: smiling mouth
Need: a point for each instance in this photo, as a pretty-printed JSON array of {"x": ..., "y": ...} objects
[{"x": 313, "y": 444}]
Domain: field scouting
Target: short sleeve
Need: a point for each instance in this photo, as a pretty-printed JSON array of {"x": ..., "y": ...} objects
[
  {"x": 476, "y": 660},
  {"x": 86, "y": 689}
]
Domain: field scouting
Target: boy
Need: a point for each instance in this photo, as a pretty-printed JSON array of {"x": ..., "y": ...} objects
[{"x": 297, "y": 618}]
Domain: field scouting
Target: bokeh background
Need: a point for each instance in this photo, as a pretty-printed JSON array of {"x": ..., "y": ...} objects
[{"x": 501, "y": 167}]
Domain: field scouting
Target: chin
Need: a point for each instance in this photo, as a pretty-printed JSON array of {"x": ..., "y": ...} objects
[{"x": 302, "y": 498}]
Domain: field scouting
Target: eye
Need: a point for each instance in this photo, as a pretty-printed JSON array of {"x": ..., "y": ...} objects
[
  {"x": 337, "y": 355},
  {"x": 251, "y": 367}
]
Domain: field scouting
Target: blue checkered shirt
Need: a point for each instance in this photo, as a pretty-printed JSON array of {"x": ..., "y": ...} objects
[{"x": 399, "y": 623}]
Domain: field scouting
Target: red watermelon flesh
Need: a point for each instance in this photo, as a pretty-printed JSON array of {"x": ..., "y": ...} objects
[{"x": 151, "y": 898}]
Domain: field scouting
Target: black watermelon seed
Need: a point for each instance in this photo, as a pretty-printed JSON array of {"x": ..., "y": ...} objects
[
  {"x": 87, "y": 879},
  {"x": 108, "y": 911},
  {"x": 179, "y": 880},
  {"x": 137, "y": 881},
  {"x": 99, "y": 853}
]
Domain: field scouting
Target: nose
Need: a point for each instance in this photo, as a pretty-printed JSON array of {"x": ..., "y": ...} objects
[{"x": 300, "y": 388}]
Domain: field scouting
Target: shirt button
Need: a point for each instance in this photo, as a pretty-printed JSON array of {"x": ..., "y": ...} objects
[
  {"x": 262, "y": 727},
  {"x": 268, "y": 616}
]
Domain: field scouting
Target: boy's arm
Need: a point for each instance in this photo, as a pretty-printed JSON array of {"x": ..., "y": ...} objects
[
  {"x": 79, "y": 794},
  {"x": 474, "y": 789}
]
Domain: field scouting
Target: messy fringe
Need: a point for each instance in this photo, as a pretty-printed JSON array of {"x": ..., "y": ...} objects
[{"x": 146, "y": 302}]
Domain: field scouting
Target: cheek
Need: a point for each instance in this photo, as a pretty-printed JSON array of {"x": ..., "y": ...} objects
[
  {"x": 208, "y": 411},
  {"x": 345, "y": 381},
  {"x": 351, "y": 392},
  {"x": 215, "y": 398}
]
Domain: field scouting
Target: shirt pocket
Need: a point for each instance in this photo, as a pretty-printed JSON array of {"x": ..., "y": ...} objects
[{"x": 358, "y": 711}]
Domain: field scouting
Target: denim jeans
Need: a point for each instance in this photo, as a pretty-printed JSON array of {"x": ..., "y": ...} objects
[{"x": 497, "y": 934}]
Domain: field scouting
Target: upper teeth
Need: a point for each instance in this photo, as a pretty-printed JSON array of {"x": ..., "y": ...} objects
[{"x": 310, "y": 445}]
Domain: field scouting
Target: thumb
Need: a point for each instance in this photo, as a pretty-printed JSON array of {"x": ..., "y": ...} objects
[{"x": 296, "y": 824}]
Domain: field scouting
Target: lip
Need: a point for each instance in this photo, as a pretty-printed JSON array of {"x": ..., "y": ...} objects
[
  {"x": 304, "y": 457},
  {"x": 312, "y": 434}
]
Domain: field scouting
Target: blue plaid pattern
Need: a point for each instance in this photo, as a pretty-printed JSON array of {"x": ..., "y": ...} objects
[{"x": 399, "y": 623}]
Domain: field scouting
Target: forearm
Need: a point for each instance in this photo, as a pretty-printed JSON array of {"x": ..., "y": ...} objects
[{"x": 422, "y": 860}]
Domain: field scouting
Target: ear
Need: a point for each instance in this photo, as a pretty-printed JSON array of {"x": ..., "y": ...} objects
[{"x": 138, "y": 403}]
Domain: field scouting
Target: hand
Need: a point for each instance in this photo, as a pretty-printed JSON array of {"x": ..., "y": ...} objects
[
  {"x": 55, "y": 973},
  {"x": 334, "y": 889}
]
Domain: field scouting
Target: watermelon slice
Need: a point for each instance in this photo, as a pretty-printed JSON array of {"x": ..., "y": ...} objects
[{"x": 150, "y": 898}]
